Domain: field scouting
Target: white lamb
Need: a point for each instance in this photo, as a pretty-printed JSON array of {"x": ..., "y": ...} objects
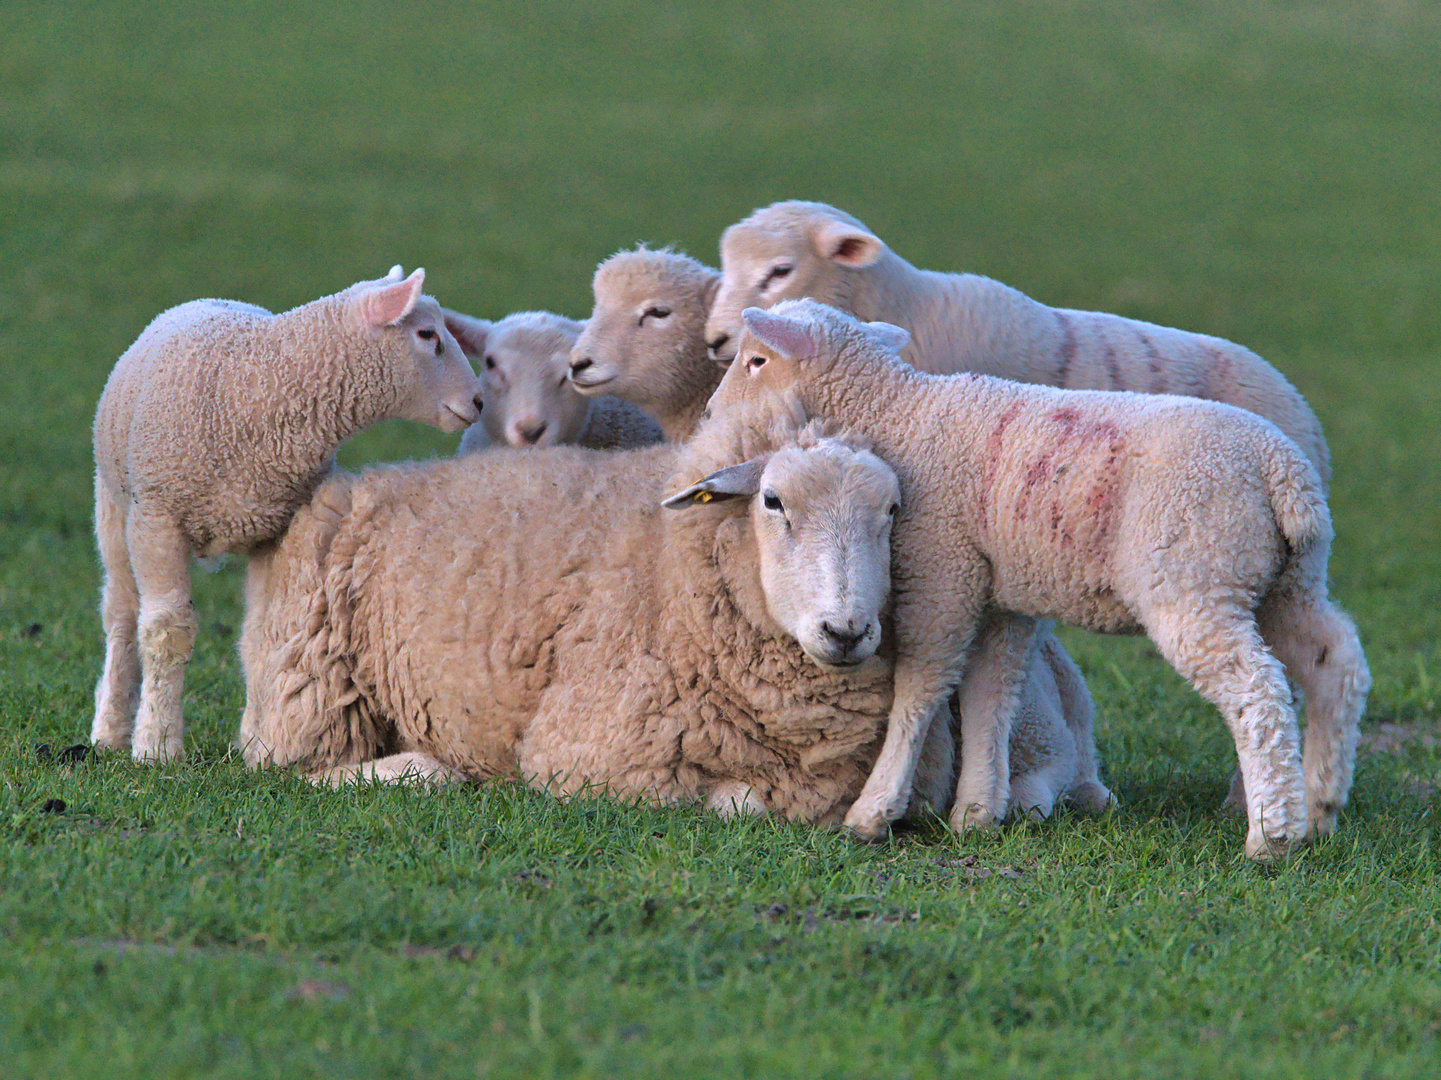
[
  {"x": 968, "y": 323},
  {"x": 1199, "y": 523},
  {"x": 527, "y": 395},
  {"x": 644, "y": 343},
  {"x": 212, "y": 429}
]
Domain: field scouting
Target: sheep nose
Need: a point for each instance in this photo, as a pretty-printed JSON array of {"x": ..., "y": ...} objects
[
  {"x": 577, "y": 366},
  {"x": 531, "y": 433},
  {"x": 479, "y": 404},
  {"x": 847, "y": 639},
  {"x": 716, "y": 342}
]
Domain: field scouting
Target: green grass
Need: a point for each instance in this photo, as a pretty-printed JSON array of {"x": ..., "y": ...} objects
[{"x": 1262, "y": 171}]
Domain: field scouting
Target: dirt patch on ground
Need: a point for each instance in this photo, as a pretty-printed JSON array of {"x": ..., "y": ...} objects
[{"x": 1389, "y": 738}]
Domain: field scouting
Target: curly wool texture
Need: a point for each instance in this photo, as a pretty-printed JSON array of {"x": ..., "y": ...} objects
[
  {"x": 528, "y": 397},
  {"x": 538, "y": 611},
  {"x": 1115, "y": 512},
  {"x": 969, "y": 323}
]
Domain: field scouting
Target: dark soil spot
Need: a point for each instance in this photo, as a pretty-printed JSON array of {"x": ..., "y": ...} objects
[{"x": 53, "y": 806}]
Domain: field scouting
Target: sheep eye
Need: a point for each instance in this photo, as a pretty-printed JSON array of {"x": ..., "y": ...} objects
[
  {"x": 490, "y": 363},
  {"x": 894, "y": 510},
  {"x": 653, "y": 313},
  {"x": 772, "y": 501},
  {"x": 777, "y": 273},
  {"x": 425, "y": 334},
  {"x": 755, "y": 362}
]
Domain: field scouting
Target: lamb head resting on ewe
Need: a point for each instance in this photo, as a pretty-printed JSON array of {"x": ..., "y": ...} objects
[{"x": 214, "y": 427}]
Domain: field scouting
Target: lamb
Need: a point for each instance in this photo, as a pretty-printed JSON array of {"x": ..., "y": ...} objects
[
  {"x": 1199, "y": 523},
  {"x": 539, "y": 610},
  {"x": 968, "y": 323},
  {"x": 645, "y": 340},
  {"x": 528, "y": 400},
  {"x": 644, "y": 343},
  {"x": 214, "y": 427}
]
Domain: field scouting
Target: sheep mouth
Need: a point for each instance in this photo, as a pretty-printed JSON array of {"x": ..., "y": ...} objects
[
  {"x": 461, "y": 418},
  {"x": 585, "y": 382}
]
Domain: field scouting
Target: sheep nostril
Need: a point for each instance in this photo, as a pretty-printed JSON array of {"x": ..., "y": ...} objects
[
  {"x": 532, "y": 433},
  {"x": 577, "y": 366},
  {"x": 716, "y": 342},
  {"x": 846, "y": 639},
  {"x": 479, "y": 404}
]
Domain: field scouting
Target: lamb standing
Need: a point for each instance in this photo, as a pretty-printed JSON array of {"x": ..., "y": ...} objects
[
  {"x": 528, "y": 398},
  {"x": 644, "y": 343},
  {"x": 1199, "y": 523},
  {"x": 214, "y": 427}
]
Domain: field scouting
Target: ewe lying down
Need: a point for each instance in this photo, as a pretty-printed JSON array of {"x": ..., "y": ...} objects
[
  {"x": 1198, "y": 523},
  {"x": 541, "y": 612},
  {"x": 212, "y": 429}
]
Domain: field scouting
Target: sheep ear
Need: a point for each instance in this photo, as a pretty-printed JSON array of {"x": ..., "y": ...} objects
[
  {"x": 471, "y": 333},
  {"x": 732, "y": 482},
  {"x": 888, "y": 336},
  {"x": 708, "y": 293},
  {"x": 849, "y": 245},
  {"x": 787, "y": 336},
  {"x": 388, "y": 303},
  {"x": 394, "y": 274}
]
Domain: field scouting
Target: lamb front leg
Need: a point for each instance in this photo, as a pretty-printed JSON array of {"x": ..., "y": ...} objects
[{"x": 990, "y": 697}]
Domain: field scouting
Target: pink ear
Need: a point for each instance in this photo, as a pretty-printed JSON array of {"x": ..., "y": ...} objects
[
  {"x": 798, "y": 340},
  {"x": 848, "y": 245},
  {"x": 468, "y": 331},
  {"x": 382, "y": 305}
]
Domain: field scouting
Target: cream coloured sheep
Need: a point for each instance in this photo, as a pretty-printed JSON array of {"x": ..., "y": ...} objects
[
  {"x": 1199, "y": 523},
  {"x": 528, "y": 399},
  {"x": 212, "y": 429},
  {"x": 539, "y": 610},
  {"x": 644, "y": 343}
]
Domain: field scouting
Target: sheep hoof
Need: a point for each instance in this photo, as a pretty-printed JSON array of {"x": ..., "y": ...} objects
[
  {"x": 1091, "y": 797},
  {"x": 1265, "y": 849},
  {"x": 974, "y": 816},
  {"x": 869, "y": 827},
  {"x": 1323, "y": 821},
  {"x": 152, "y": 749}
]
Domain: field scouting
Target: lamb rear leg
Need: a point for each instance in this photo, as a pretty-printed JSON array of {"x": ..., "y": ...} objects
[
  {"x": 160, "y": 558},
  {"x": 1323, "y": 655},
  {"x": 1223, "y": 656},
  {"x": 411, "y": 767},
  {"x": 117, "y": 694}
]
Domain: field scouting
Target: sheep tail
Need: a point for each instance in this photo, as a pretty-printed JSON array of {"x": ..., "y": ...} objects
[{"x": 1298, "y": 500}]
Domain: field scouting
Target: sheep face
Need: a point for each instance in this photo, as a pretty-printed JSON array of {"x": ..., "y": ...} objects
[
  {"x": 647, "y": 326},
  {"x": 820, "y": 513},
  {"x": 785, "y": 252},
  {"x": 432, "y": 381},
  {"x": 524, "y": 367}
]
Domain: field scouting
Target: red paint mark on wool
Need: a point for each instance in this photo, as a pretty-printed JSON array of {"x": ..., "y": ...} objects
[
  {"x": 1218, "y": 378},
  {"x": 1154, "y": 366},
  {"x": 995, "y": 446},
  {"x": 1113, "y": 368}
]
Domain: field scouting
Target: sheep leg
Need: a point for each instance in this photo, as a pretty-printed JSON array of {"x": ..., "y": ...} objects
[
  {"x": 1224, "y": 657},
  {"x": 1086, "y": 791},
  {"x": 990, "y": 696},
  {"x": 936, "y": 771},
  {"x": 117, "y": 694},
  {"x": 1322, "y": 653},
  {"x": 411, "y": 767},
  {"x": 735, "y": 798},
  {"x": 160, "y": 558}
]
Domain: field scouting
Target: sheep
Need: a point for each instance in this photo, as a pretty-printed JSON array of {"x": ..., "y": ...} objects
[
  {"x": 644, "y": 343},
  {"x": 1199, "y": 523},
  {"x": 965, "y": 322},
  {"x": 540, "y": 610},
  {"x": 214, "y": 426},
  {"x": 528, "y": 400},
  {"x": 969, "y": 323},
  {"x": 645, "y": 339}
]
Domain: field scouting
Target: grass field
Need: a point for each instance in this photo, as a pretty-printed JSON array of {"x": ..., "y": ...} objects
[{"x": 1262, "y": 171}]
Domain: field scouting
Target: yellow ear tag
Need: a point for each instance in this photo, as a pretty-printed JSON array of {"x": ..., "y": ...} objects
[{"x": 704, "y": 496}]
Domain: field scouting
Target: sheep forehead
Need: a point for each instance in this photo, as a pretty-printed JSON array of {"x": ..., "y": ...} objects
[
  {"x": 635, "y": 276},
  {"x": 832, "y": 474},
  {"x": 534, "y": 337},
  {"x": 796, "y": 216}
]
